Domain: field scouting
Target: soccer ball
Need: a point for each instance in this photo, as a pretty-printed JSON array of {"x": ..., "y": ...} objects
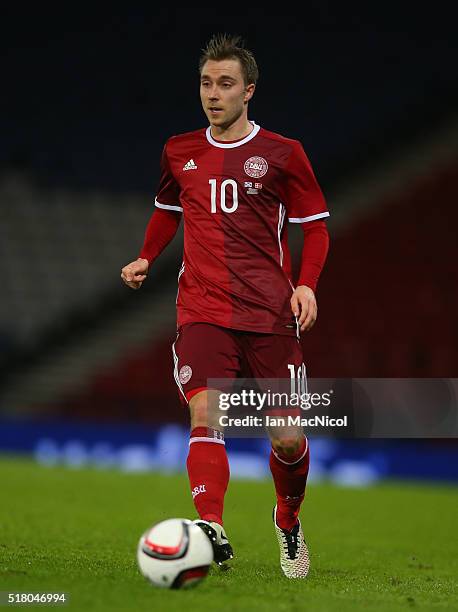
[{"x": 174, "y": 554}]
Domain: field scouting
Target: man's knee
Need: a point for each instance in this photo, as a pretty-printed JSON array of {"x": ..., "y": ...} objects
[
  {"x": 203, "y": 410},
  {"x": 287, "y": 446}
]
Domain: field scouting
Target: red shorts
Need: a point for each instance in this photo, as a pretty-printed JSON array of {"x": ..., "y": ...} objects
[{"x": 202, "y": 351}]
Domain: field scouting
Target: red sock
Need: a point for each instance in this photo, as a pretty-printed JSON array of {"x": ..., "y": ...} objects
[
  {"x": 208, "y": 471},
  {"x": 290, "y": 477}
]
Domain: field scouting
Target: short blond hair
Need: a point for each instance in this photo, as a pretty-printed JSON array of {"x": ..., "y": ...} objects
[{"x": 228, "y": 46}]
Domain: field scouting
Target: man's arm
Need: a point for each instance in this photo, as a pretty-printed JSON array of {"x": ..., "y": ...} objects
[
  {"x": 314, "y": 253},
  {"x": 161, "y": 228},
  {"x": 305, "y": 204}
]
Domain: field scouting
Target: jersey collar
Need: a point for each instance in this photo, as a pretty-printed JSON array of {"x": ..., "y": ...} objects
[{"x": 231, "y": 145}]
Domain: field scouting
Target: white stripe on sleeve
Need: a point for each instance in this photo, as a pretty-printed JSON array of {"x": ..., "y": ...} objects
[
  {"x": 306, "y": 219},
  {"x": 168, "y": 206}
]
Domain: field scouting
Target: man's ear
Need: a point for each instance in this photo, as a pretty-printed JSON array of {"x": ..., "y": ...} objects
[{"x": 249, "y": 91}]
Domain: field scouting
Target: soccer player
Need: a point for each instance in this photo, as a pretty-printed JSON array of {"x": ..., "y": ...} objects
[{"x": 237, "y": 309}]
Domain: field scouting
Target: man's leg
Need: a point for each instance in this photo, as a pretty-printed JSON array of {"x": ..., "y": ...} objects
[
  {"x": 208, "y": 467},
  {"x": 280, "y": 358},
  {"x": 208, "y": 471},
  {"x": 204, "y": 351},
  {"x": 289, "y": 465}
]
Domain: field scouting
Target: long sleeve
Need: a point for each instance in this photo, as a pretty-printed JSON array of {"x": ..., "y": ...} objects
[
  {"x": 314, "y": 253},
  {"x": 161, "y": 228}
]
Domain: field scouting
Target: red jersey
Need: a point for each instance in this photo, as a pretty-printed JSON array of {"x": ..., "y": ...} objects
[{"x": 235, "y": 197}]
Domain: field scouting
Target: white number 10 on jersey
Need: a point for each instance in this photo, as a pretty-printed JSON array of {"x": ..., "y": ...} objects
[{"x": 224, "y": 185}]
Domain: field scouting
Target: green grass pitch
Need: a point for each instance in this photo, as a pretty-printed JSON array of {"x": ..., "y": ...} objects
[{"x": 388, "y": 547}]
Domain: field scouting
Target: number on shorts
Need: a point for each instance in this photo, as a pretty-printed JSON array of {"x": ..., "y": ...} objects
[{"x": 298, "y": 378}]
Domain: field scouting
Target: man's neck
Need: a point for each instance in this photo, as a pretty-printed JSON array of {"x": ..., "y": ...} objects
[{"x": 237, "y": 130}]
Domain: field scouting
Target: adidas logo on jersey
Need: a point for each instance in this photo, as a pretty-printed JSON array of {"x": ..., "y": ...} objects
[{"x": 190, "y": 165}]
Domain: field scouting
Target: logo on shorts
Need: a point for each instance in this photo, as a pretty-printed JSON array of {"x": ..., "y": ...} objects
[
  {"x": 185, "y": 374},
  {"x": 256, "y": 167}
]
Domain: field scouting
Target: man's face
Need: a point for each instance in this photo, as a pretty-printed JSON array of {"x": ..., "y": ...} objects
[{"x": 223, "y": 92}]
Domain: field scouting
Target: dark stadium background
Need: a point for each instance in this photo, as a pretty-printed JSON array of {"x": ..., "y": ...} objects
[{"x": 89, "y": 99}]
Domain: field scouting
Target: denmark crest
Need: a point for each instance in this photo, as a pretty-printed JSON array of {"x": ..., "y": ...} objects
[
  {"x": 256, "y": 167},
  {"x": 185, "y": 374}
]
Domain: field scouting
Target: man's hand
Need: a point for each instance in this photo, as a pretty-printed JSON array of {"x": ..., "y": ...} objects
[
  {"x": 135, "y": 273},
  {"x": 303, "y": 305}
]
